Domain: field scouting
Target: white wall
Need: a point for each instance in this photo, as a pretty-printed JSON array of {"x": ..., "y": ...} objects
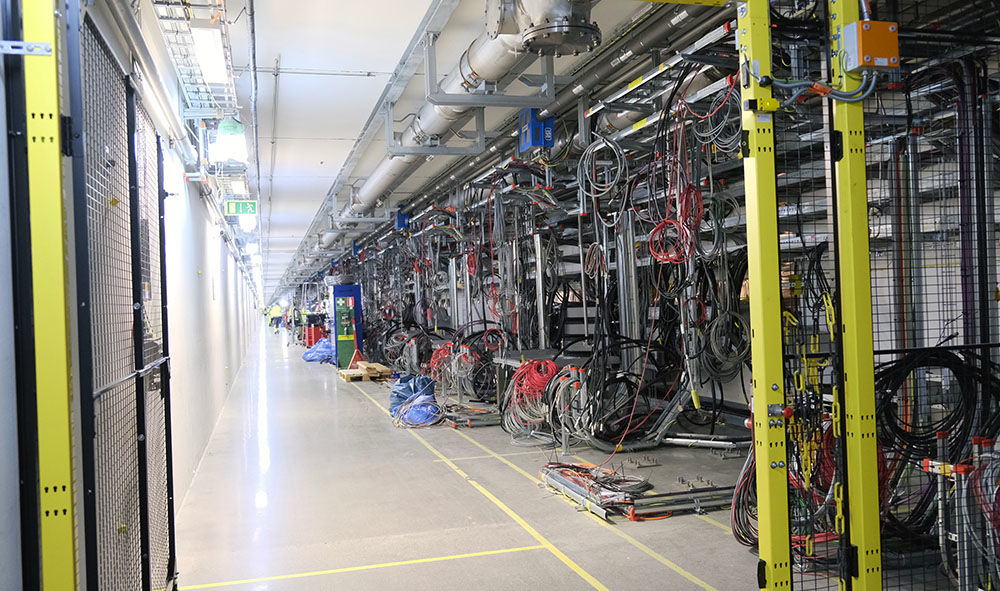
[{"x": 210, "y": 309}]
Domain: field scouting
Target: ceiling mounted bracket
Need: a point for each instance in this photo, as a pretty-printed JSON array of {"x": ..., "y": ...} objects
[
  {"x": 546, "y": 93},
  {"x": 478, "y": 146}
]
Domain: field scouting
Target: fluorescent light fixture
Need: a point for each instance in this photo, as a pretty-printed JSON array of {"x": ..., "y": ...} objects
[
  {"x": 239, "y": 187},
  {"x": 211, "y": 54},
  {"x": 253, "y": 248},
  {"x": 248, "y": 223}
]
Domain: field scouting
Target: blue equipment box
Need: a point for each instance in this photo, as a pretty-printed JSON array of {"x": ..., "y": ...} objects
[{"x": 534, "y": 132}]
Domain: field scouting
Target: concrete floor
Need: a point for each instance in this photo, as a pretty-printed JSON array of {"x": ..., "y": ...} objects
[{"x": 306, "y": 484}]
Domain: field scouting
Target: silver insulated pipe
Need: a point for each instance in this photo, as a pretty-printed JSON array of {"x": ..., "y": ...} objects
[{"x": 511, "y": 29}]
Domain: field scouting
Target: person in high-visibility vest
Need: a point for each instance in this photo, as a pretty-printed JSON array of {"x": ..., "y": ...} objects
[{"x": 275, "y": 316}]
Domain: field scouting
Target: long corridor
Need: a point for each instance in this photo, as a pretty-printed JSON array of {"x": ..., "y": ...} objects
[{"x": 306, "y": 484}]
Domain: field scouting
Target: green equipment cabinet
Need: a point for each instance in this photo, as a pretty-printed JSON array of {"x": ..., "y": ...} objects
[{"x": 347, "y": 320}]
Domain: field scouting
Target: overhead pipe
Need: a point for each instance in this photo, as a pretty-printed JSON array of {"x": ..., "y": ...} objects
[
  {"x": 489, "y": 58},
  {"x": 668, "y": 23},
  {"x": 129, "y": 28}
]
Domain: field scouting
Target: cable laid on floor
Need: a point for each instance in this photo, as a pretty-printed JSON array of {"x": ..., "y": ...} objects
[{"x": 618, "y": 532}]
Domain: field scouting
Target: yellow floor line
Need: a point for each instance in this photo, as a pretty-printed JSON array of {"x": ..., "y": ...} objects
[
  {"x": 494, "y": 454},
  {"x": 489, "y": 457},
  {"x": 350, "y": 569},
  {"x": 717, "y": 524},
  {"x": 583, "y": 574},
  {"x": 634, "y": 542}
]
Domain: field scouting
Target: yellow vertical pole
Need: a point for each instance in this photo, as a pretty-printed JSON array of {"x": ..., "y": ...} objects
[
  {"x": 50, "y": 289},
  {"x": 857, "y": 340},
  {"x": 767, "y": 347}
]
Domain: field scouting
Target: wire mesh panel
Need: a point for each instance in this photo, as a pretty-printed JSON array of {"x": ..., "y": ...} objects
[
  {"x": 108, "y": 212},
  {"x": 147, "y": 157},
  {"x": 160, "y": 551},
  {"x": 932, "y": 154},
  {"x": 150, "y": 289},
  {"x": 808, "y": 276},
  {"x": 132, "y": 488},
  {"x": 119, "y": 558}
]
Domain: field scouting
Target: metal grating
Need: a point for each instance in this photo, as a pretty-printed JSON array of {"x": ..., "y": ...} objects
[
  {"x": 149, "y": 236},
  {"x": 124, "y": 399},
  {"x": 107, "y": 212},
  {"x": 119, "y": 561},
  {"x": 160, "y": 556},
  {"x": 931, "y": 134},
  {"x": 119, "y": 557}
]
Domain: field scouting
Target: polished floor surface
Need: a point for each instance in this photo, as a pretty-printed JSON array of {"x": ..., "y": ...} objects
[{"x": 306, "y": 484}]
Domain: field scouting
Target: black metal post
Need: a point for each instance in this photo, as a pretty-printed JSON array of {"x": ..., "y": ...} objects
[{"x": 137, "y": 338}]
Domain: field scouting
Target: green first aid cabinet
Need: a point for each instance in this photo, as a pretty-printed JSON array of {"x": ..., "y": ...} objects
[{"x": 348, "y": 324}]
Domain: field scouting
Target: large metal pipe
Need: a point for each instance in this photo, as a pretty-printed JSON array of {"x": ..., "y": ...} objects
[
  {"x": 676, "y": 19},
  {"x": 129, "y": 28},
  {"x": 671, "y": 27},
  {"x": 487, "y": 59}
]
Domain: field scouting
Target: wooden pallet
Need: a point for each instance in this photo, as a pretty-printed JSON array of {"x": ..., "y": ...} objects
[
  {"x": 355, "y": 375},
  {"x": 375, "y": 370}
]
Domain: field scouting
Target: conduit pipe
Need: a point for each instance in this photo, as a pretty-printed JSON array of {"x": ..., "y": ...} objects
[{"x": 133, "y": 36}]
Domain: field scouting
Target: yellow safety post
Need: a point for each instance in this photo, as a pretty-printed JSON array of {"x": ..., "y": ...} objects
[
  {"x": 856, "y": 316},
  {"x": 50, "y": 290},
  {"x": 767, "y": 346}
]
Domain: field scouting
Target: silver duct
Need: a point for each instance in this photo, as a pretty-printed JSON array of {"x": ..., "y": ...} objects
[{"x": 541, "y": 25}]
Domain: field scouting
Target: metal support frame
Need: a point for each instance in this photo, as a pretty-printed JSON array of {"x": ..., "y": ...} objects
[
  {"x": 23, "y": 334},
  {"x": 628, "y": 291},
  {"x": 543, "y": 337},
  {"x": 453, "y": 290},
  {"x": 139, "y": 381},
  {"x": 165, "y": 368},
  {"x": 754, "y": 43},
  {"x": 395, "y": 148},
  {"x": 856, "y": 334},
  {"x": 546, "y": 94},
  {"x": 51, "y": 297}
]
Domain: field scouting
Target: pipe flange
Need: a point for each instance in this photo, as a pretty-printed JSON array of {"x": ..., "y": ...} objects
[
  {"x": 561, "y": 38},
  {"x": 500, "y": 18}
]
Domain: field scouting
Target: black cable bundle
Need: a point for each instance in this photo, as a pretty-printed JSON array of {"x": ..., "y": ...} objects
[{"x": 905, "y": 426}]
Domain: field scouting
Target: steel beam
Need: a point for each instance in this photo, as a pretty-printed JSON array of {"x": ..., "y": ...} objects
[
  {"x": 856, "y": 334},
  {"x": 767, "y": 347},
  {"x": 51, "y": 296}
]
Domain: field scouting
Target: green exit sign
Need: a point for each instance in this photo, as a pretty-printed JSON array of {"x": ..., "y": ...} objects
[{"x": 241, "y": 207}]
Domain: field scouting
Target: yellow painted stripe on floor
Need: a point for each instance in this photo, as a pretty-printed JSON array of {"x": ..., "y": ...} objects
[
  {"x": 489, "y": 457},
  {"x": 652, "y": 553},
  {"x": 717, "y": 524},
  {"x": 541, "y": 539},
  {"x": 634, "y": 542},
  {"x": 569, "y": 562},
  {"x": 350, "y": 569},
  {"x": 499, "y": 457}
]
